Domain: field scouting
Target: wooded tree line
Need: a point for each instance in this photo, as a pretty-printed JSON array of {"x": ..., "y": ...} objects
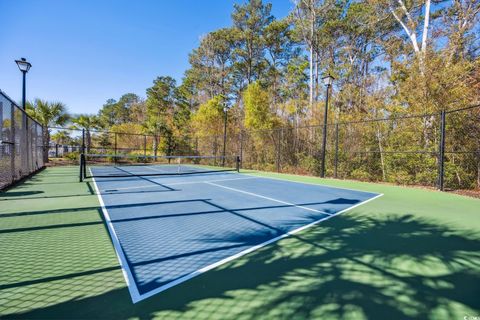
[{"x": 390, "y": 58}]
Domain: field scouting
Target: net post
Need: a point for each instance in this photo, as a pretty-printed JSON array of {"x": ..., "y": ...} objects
[
  {"x": 441, "y": 152},
  {"x": 237, "y": 163},
  {"x": 82, "y": 160},
  {"x": 84, "y": 167}
]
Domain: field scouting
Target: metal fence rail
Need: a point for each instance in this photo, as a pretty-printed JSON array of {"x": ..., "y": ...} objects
[
  {"x": 21, "y": 143},
  {"x": 439, "y": 150}
]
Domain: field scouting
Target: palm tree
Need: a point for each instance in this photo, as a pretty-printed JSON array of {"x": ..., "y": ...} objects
[
  {"x": 88, "y": 123},
  {"x": 48, "y": 114},
  {"x": 61, "y": 137}
]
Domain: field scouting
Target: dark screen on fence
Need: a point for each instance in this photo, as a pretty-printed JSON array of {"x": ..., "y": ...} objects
[{"x": 21, "y": 146}]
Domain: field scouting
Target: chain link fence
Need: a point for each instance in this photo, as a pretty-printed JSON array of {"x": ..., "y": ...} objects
[
  {"x": 439, "y": 150},
  {"x": 461, "y": 151},
  {"x": 21, "y": 143}
]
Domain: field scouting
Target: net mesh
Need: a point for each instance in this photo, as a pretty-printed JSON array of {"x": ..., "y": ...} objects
[{"x": 104, "y": 166}]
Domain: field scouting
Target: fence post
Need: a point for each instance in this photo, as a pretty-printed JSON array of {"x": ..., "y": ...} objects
[
  {"x": 196, "y": 146},
  {"x": 155, "y": 149},
  {"x": 441, "y": 152},
  {"x": 215, "y": 150},
  {"x": 336, "y": 150},
  {"x": 27, "y": 144},
  {"x": 241, "y": 148},
  {"x": 145, "y": 146},
  {"x": 278, "y": 149},
  {"x": 115, "y": 149}
]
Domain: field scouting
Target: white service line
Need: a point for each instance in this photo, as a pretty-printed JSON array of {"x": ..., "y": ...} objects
[
  {"x": 180, "y": 183},
  {"x": 138, "y": 187},
  {"x": 268, "y": 198},
  {"x": 208, "y": 181},
  {"x": 154, "y": 169}
]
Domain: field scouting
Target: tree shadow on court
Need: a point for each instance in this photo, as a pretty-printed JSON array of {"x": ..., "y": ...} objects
[
  {"x": 16, "y": 194},
  {"x": 353, "y": 266}
]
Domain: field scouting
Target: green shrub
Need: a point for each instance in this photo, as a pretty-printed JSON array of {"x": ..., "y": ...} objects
[{"x": 72, "y": 155}]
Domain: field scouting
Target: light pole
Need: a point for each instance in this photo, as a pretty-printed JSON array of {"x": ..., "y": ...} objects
[
  {"x": 327, "y": 80},
  {"x": 225, "y": 112},
  {"x": 24, "y": 66}
]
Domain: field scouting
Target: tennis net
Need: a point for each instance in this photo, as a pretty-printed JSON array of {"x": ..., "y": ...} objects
[{"x": 106, "y": 166}]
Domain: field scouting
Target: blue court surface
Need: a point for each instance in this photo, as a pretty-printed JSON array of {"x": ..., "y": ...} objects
[{"x": 168, "y": 229}]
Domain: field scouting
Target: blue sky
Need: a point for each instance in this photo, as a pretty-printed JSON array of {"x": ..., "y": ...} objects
[{"x": 84, "y": 52}]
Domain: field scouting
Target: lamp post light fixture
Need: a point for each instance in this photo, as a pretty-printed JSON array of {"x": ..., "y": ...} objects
[
  {"x": 24, "y": 66},
  {"x": 327, "y": 80}
]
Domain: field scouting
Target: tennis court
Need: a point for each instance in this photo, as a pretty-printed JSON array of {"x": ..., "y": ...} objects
[
  {"x": 167, "y": 229},
  {"x": 411, "y": 253}
]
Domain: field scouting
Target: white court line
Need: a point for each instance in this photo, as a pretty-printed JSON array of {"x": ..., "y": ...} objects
[
  {"x": 309, "y": 183},
  {"x": 180, "y": 183},
  {"x": 268, "y": 198},
  {"x": 138, "y": 187},
  {"x": 127, "y": 273},
  {"x": 208, "y": 181},
  {"x": 246, "y": 251},
  {"x": 154, "y": 169}
]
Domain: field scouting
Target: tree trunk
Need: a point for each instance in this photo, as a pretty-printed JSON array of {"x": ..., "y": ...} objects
[
  {"x": 316, "y": 77},
  {"x": 310, "y": 84},
  {"x": 478, "y": 169},
  {"x": 380, "y": 148}
]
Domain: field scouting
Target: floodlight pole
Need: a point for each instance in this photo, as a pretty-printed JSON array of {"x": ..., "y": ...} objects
[
  {"x": 328, "y": 82},
  {"x": 24, "y": 91},
  {"x": 24, "y": 66}
]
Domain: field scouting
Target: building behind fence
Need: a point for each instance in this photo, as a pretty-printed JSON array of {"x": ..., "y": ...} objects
[
  {"x": 21, "y": 143},
  {"x": 437, "y": 150}
]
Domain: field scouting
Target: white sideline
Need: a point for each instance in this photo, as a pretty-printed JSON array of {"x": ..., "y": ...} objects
[
  {"x": 127, "y": 273},
  {"x": 308, "y": 183}
]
